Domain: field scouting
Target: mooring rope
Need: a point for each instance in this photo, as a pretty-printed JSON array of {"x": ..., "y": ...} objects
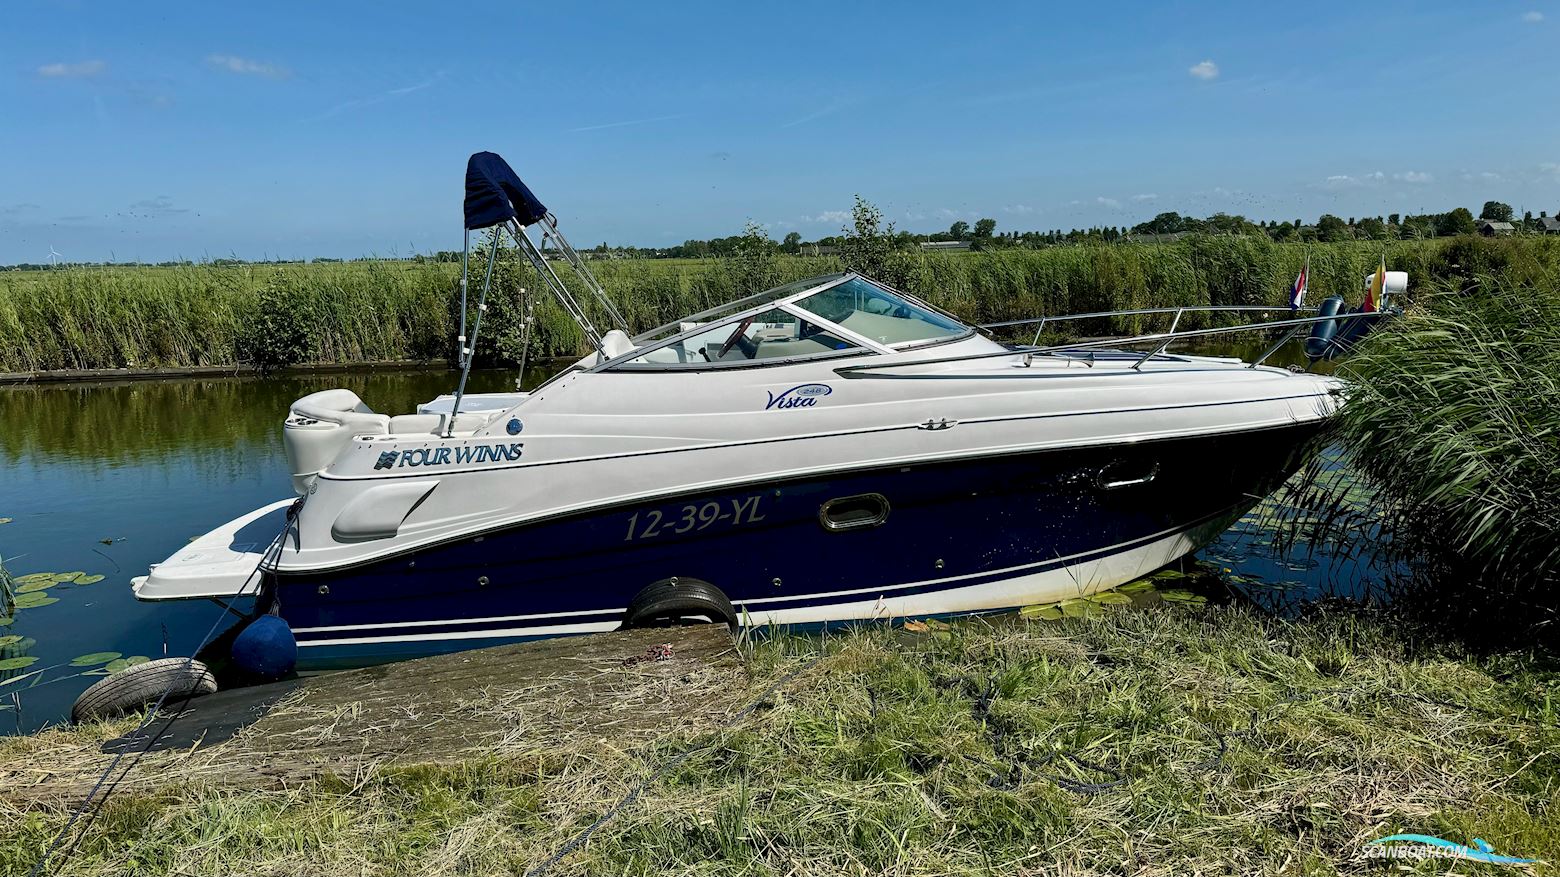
[
  {"x": 151, "y": 714},
  {"x": 633, "y": 795}
]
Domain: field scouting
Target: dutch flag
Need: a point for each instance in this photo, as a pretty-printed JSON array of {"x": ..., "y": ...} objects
[{"x": 1297, "y": 292}]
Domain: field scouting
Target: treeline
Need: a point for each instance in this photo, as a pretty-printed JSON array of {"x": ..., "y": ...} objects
[{"x": 984, "y": 234}]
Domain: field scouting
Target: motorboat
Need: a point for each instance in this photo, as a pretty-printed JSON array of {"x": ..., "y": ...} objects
[{"x": 829, "y": 450}]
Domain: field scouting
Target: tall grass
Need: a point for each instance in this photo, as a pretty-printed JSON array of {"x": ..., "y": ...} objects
[
  {"x": 1454, "y": 420},
  {"x": 83, "y": 318}
]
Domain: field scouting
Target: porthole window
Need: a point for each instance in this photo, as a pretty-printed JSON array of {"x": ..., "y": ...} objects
[{"x": 854, "y": 512}]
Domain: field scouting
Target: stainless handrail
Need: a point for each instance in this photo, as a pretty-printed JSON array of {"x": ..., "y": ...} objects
[
  {"x": 1170, "y": 310},
  {"x": 1166, "y": 337}
]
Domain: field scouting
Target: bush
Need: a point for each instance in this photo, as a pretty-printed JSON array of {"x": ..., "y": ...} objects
[{"x": 277, "y": 333}]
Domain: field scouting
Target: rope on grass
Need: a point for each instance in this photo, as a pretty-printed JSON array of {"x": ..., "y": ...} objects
[
  {"x": 670, "y": 764},
  {"x": 92, "y": 800}
]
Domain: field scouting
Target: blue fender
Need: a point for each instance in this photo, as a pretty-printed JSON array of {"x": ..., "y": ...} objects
[
  {"x": 1319, "y": 345},
  {"x": 266, "y": 649}
]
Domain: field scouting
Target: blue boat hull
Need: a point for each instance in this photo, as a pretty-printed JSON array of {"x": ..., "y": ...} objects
[{"x": 949, "y": 524}]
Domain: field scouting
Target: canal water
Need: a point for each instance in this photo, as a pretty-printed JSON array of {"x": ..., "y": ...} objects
[{"x": 101, "y": 480}]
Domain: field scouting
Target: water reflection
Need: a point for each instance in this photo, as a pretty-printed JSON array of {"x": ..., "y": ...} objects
[{"x": 106, "y": 479}]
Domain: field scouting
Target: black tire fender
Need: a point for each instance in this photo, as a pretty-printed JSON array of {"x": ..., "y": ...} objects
[
  {"x": 135, "y": 687},
  {"x": 677, "y": 600}
]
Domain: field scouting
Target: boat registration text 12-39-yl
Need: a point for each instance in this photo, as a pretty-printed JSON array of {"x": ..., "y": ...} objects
[{"x": 732, "y": 512}]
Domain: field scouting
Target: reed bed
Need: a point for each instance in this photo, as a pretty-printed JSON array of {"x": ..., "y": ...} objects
[
  {"x": 1453, "y": 423},
  {"x": 119, "y": 317}
]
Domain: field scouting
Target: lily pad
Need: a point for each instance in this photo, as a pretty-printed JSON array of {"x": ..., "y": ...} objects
[
  {"x": 11, "y": 640},
  {"x": 5, "y": 520},
  {"x": 118, "y": 664},
  {"x": 1110, "y": 598},
  {"x": 1184, "y": 598},
  {"x": 1168, "y": 574},
  {"x": 95, "y": 658},
  {"x": 35, "y": 585},
  {"x": 1078, "y": 607},
  {"x": 34, "y": 600},
  {"x": 1136, "y": 587},
  {"x": 34, "y": 577},
  {"x": 6, "y": 621},
  {"x": 17, "y": 663},
  {"x": 88, "y": 580},
  {"x": 68, "y": 576}
]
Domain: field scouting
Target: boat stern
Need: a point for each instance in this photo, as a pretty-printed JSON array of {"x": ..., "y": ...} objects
[{"x": 220, "y": 564}]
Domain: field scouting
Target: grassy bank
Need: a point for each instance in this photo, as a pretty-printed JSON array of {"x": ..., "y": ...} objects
[
  {"x": 1165, "y": 740},
  {"x": 350, "y": 312}
]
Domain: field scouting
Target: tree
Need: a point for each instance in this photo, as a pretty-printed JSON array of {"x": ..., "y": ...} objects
[
  {"x": 1165, "y": 223},
  {"x": 868, "y": 247},
  {"x": 960, "y": 230},
  {"x": 1374, "y": 228},
  {"x": 1458, "y": 221},
  {"x": 753, "y": 263},
  {"x": 792, "y": 243},
  {"x": 984, "y": 228},
  {"x": 1330, "y": 228},
  {"x": 1496, "y": 211}
]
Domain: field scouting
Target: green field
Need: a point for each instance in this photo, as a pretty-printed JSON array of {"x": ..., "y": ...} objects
[{"x": 145, "y": 317}]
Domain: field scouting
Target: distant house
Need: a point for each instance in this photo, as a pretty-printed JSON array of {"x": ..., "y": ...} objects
[
  {"x": 945, "y": 246},
  {"x": 1165, "y": 238},
  {"x": 1549, "y": 224},
  {"x": 819, "y": 250},
  {"x": 1491, "y": 229}
]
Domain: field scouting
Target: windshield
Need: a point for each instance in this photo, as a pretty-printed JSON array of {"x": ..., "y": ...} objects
[
  {"x": 772, "y": 335},
  {"x": 730, "y": 307},
  {"x": 870, "y": 310}
]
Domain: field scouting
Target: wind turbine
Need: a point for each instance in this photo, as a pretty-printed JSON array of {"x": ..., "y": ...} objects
[{"x": 54, "y": 258}]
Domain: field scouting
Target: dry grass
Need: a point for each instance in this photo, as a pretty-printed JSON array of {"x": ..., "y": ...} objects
[{"x": 1217, "y": 742}]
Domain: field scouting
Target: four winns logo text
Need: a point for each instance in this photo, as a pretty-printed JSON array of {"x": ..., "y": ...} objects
[{"x": 441, "y": 456}]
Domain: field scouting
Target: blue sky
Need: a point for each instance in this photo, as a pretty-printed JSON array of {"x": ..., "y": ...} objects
[{"x": 155, "y": 130}]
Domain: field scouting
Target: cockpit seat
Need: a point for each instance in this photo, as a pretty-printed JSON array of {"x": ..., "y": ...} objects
[
  {"x": 341, "y": 407},
  {"x": 616, "y": 343},
  {"x": 433, "y": 424}
]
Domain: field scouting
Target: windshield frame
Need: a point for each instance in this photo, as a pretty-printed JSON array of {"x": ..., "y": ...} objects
[{"x": 767, "y": 301}]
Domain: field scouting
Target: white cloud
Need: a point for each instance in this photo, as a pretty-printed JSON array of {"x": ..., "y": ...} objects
[
  {"x": 1550, "y": 169},
  {"x": 1345, "y": 181},
  {"x": 247, "y": 66},
  {"x": 1204, "y": 70},
  {"x": 626, "y": 122},
  {"x": 950, "y": 213},
  {"x": 1413, "y": 177},
  {"x": 1112, "y": 203},
  {"x": 830, "y": 216},
  {"x": 1146, "y": 196},
  {"x": 162, "y": 205},
  {"x": 1533, "y": 17},
  {"x": 78, "y": 70},
  {"x": 1018, "y": 208}
]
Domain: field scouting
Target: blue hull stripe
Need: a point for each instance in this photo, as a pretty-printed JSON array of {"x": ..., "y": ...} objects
[{"x": 507, "y": 623}]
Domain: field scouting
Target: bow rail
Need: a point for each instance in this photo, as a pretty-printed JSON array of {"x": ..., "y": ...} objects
[{"x": 1162, "y": 339}]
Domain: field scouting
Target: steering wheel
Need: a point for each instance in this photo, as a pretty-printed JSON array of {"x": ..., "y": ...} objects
[{"x": 732, "y": 341}]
